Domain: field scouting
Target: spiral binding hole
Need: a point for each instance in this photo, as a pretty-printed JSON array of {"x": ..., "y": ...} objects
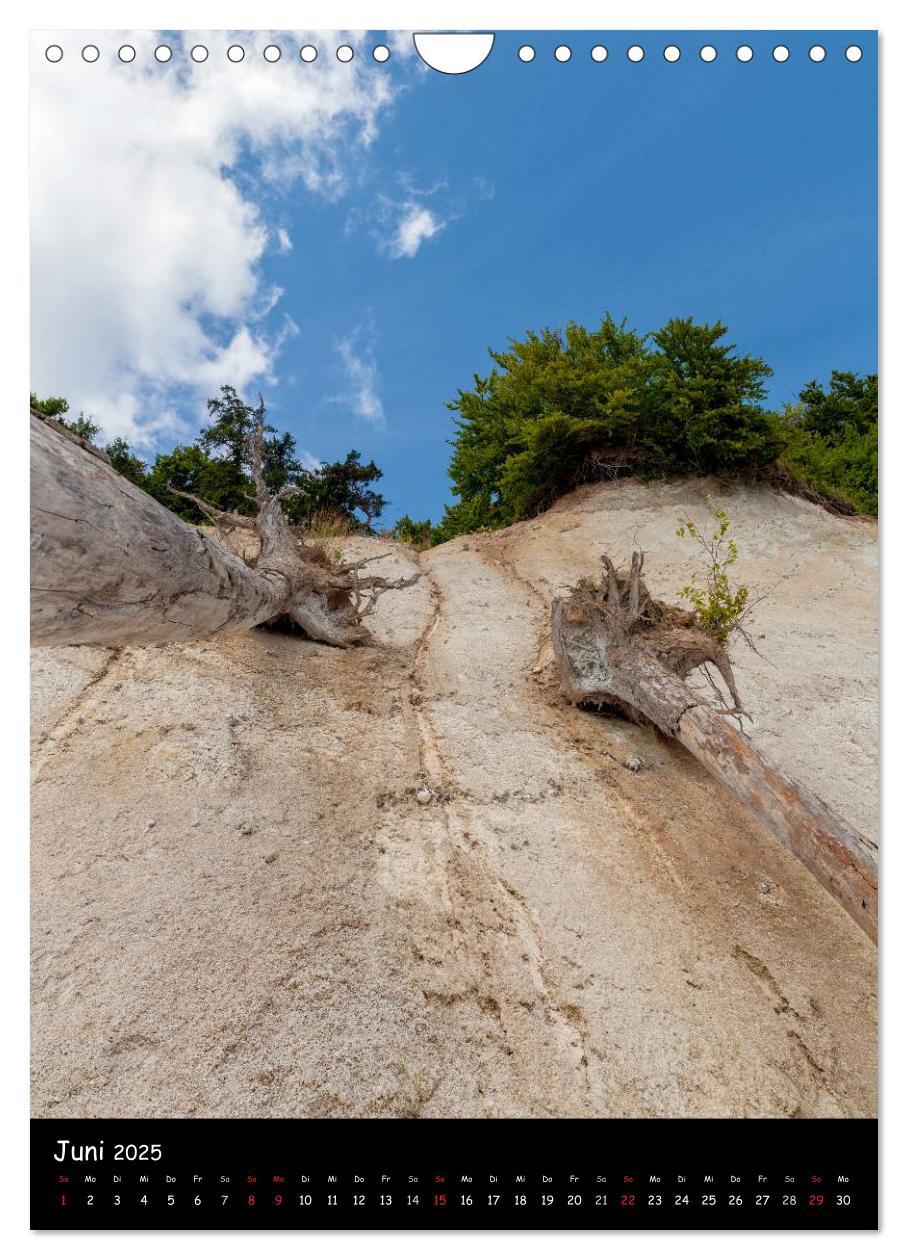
[
  {"x": 127, "y": 53},
  {"x": 272, "y": 53},
  {"x": 599, "y": 52},
  {"x": 308, "y": 53},
  {"x": 526, "y": 52},
  {"x": 635, "y": 53},
  {"x": 380, "y": 53},
  {"x": 162, "y": 53},
  {"x": 199, "y": 53},
  {"x": 672, "y": 53}
]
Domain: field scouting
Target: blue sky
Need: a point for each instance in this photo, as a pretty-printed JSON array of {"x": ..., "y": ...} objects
[{"x": 522, "y": 195}]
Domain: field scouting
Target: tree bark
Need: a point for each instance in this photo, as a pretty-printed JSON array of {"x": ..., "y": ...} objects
[
  {"x": 617, "y": 647},
  {"x": 843, "y": 860},
  {"x": 111, "y": 566}
]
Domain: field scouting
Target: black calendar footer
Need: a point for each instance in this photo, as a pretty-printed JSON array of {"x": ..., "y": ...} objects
[{"x": 454, "y": 1174}]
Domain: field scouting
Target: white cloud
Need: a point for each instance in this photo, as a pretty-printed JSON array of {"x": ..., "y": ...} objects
[
  {"x": 146, "y": 235},
  {"x": 401, "y": 44},
  {"x": 284, "y": 242},
  {"x": 361, "y": 392},
  {"x": 416, "y": 224}
]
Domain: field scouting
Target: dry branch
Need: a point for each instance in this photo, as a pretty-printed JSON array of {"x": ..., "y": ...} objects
[
  {"x": 618, "y": 647},
  {"x": 111, "y": 566}
]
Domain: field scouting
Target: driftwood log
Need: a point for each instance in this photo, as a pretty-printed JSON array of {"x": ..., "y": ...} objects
[
  {"x": 111, "y": 566},
  {"x": 617, "y": 647}
]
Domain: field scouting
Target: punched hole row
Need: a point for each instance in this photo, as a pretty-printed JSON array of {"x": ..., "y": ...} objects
[
  {"x": 199, "y": 53},
  {"x": 381, "y": 53},
  {"x": 707, "y": 53}
]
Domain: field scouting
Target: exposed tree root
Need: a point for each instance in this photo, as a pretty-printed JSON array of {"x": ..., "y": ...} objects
[
  {"x": 111, "y": 566},
  {"x": 618, "y": 647}
]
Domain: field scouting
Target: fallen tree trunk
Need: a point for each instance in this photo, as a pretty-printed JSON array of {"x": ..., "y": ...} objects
[
  {"x": 111, "y": 566},
  {"x": 617, "y": 647}
]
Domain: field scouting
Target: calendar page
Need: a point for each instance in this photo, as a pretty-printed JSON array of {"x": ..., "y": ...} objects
[{"x": 454, "y": 626}]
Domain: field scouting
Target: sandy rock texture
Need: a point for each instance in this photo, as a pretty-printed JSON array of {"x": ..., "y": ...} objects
[{"x": 275, "y": 878}]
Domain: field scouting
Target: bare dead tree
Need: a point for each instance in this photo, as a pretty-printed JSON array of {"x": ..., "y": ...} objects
[
  {"x": 111, "y": 566},
  {"x": 617, "y": 647}
]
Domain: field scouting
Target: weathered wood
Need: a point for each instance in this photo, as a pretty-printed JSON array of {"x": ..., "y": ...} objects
[
  {"x": 844, "y": 861},
  {"x": 111, "y": 566},
  {"x": 617, "y": 647}
]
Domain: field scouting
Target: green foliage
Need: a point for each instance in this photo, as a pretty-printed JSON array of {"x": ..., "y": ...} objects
[
  {"x": 342, "y": 489},
  {"x": 832, "y": 437},
  {"x": 218, "y": 464},
  {"x": 718, "y": 603},
  {"x": 562, "y": 408},
  {"x": 57, "y": 409},
  {"x": 849, "y": 402},
  {"x": 702, "y": 413},
  {"x": 558, "y": 450},
  {"x": 83, "y": 426},
  {"x": 54, "y": 407},
  {"x": 337, "y": 496},
  {"x": 226, "y": 440},
  {"x": 214, "y": 480},
  {"x": 845, "y": 469},
  {"x": 126, "y": 462},
  {"x": 471, "y": 516},
  {"x": 118, "y": 451},
  {"x": 232, "y": 422},
  {"x": 279, "y": 462},
  {"x": 419, "y": 534}
]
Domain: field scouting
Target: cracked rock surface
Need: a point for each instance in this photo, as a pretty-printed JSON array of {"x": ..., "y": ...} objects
[{"x": 576, "y": 921}]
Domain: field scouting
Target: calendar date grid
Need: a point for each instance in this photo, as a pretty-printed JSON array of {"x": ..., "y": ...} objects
[{"x": 290, "y": 1192}]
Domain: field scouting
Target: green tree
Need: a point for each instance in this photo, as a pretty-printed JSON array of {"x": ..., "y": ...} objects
[
  {"x": 471, "y": 515},
  {"x": 343, "y": 489},
  {"x": 702, "y": 405},
  {"x": 832, "y": 440},
  {"x": 225, "y": 441},
  {"x": 419, "y": 534},
  {"x": 562, "y": 408},
  {"x": 555, "y": 404},
  {"x": 83, "y": 426},
  {"x": 189, "y": 468},
  {"x": 126, "y": 462},
  {"x": 279, "y": 462},
  {"x": 216, "y": 467},
  {"x": 232, "y": 421},
  {"x": 58, "y": 408},
  {"x": 848, "y": 402}
]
